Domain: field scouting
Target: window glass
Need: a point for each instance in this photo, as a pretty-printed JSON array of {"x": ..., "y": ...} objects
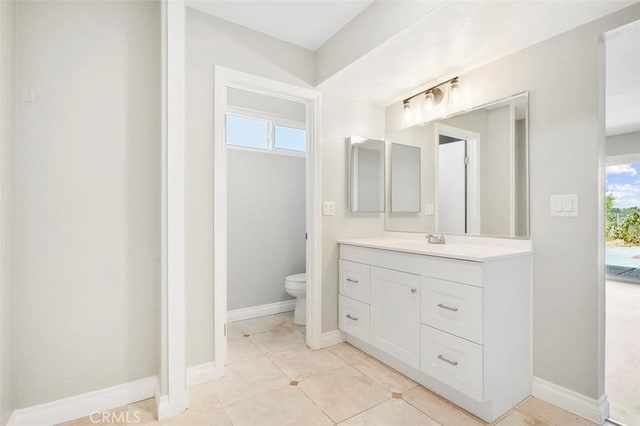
[
  {"x": 290, "y": 138},
  {"x": 247, "y": 132}
]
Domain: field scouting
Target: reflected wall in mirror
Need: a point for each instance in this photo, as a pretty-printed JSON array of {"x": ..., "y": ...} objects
[
  {"x": 366, "y": 175},
  {"x": 474, "y": 172},
  {"x": 405, "y": 178}
]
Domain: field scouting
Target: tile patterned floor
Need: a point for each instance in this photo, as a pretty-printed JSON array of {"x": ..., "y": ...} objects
[{"x": 274, "y": 379}]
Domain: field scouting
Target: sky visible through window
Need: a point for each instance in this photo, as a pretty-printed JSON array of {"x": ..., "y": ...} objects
[{"x": 623, "y": 182}]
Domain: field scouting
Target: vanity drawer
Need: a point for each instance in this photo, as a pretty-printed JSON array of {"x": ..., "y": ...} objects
[
  {"x": 452, "y": 360},
  {"x": 452, "y": 307},
  {"x": 354, "y": 280},
  {"x": 354, "y": 318}
]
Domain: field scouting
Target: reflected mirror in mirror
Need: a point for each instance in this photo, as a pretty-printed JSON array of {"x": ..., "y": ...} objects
[
  {"x": 366, "y": 164},
  {"x": 405, "y": 178},
  {"x": 475, "y": 172}
]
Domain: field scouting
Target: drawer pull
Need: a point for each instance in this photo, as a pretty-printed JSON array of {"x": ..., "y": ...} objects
[
  {"x": 352, "y": 280},
  {"x": 448, "y": 308},
  {"x": 414, "y": 290},
  {"x": 448, "y": 361},
  {"x": 351, "y": 318}
]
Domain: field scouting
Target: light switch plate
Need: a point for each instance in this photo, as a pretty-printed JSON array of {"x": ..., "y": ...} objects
[
  {"x": 328, "y": 208},
  {"x": 429, "y": 210},
  {"x": 564, "y": 205}
]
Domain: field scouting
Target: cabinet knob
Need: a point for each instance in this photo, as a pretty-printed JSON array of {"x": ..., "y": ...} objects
[{"x": 414, "y": 290}]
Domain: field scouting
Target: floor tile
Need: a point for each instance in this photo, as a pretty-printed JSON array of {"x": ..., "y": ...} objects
[
  {"x": 281, "y": 407},
  {"x": 392, "y": 412},
  {"x": 142, "y": 412},
  {"x": 386, "y": 376},
  {"x": 550, "y": 414},
  {"x": 279, "y": 339},
  {"x": 344, "y": 392},
  {"x": 301, "y": 364},
  {"x": 348, "y": 352},
  {"x": 266, "y": 323},
  {"x": 438, "y": 409},
  {"x": 518, "y": 418},
  {"x": 234, "y": 332},
  {"x": 249, "y": 378},
  {"x": 241, "y": 350}
]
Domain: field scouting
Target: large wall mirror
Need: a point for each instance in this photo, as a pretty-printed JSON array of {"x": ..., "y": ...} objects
[
  {"x": 473, "y": 171},
  {"x": 366, "y": 175}
]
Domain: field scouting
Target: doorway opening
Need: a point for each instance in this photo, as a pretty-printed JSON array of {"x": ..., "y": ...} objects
[
  {"x": 622, "y": 224},
  {"x": 266, "y": 215}
]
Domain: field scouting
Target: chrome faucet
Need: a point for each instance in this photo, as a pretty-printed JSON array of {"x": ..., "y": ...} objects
[{"x": 436, "y": 239}]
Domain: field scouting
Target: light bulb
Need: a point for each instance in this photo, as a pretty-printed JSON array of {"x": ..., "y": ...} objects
[
  {"x": 456, "y": 96},
  {"x": 429, "y": 102},
  {"x": 407, "y": 116}
]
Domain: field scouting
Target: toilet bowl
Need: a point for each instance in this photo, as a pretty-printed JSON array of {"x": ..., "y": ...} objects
[{"x": 296, "y": 286}]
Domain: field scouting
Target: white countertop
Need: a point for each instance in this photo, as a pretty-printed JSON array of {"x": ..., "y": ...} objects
[{"x": 454, "y": 250}]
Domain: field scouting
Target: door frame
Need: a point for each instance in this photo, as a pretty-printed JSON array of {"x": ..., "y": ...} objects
[
  {"x": 474, "y": 218},
  {"x": 223, "y": 78}
]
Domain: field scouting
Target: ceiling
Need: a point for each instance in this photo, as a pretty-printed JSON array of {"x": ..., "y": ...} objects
[
  {"x": 623, "y": 80},
  {"x": 457, "y": 37},
  {"x": 305, "y": 23}
]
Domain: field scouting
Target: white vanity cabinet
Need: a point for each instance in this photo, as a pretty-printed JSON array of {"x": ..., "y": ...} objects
[
  {"x": 395, "y": 314},
  {"x": 455, "y": 319}
]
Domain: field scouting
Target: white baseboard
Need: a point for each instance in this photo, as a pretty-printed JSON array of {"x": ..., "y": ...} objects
[
  {"x": 333, "y": 337},
  {"x": 82, "y": 405},
  {"x": 202, "y": 373},
  {"x": 596, "y": 411},
  {"x": 261, "y": 310}
]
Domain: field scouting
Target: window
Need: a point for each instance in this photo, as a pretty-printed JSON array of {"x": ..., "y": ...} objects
[
  {"x": 290, "y": 138},
  {"x": 255, "y": 130},
  {"x": 247, "y": 132}
]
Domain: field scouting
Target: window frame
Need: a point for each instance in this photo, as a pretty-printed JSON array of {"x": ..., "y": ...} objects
[{"x": 272, "y": 120}]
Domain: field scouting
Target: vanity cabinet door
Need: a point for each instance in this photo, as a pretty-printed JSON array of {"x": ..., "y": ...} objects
[{"x": 395, "y": 314}]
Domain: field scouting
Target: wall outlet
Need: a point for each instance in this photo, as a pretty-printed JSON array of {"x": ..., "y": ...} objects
[
  {"x": 564, "y": 205},
  {"x": 328, "y": 208},
  {"x": 429, "y": 210}
]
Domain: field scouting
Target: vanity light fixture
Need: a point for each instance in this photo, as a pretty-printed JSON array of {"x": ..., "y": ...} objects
[{"x": 433, "y": 96}]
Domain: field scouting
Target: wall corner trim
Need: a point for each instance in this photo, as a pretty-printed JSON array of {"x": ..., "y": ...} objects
[
  {"x": 596, "y": 411},
  {"x": 261, "y": 310},
  {"x": 74, "y": 407},
  {"x": 333, "y": 337}
]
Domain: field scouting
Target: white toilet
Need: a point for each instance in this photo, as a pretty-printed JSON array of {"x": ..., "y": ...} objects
[{"x": 296, "y": 286}]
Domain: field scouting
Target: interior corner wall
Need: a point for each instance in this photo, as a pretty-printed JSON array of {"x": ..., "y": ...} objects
[
  {"x": 210, "y": 42},
  {"x": 87, "y": 184},
  {"x": 342, "y": 118},
  {"x": 7, "y": 288},
  {"x": 562, "y": 77}
]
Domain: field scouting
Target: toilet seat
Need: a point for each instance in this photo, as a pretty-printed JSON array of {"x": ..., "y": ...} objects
[
  {"x": 298, "y": 278},
  {"x": 296, "y": 282}
]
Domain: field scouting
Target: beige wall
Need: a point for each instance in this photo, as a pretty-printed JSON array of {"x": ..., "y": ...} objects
[
  {"x": 7, "y": 312},
  {"x": 564, "y": 134},
  {"x": 87, "y": 167}
]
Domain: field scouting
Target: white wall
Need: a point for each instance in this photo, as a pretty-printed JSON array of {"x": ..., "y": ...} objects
[
  {"x": 562, "y": 76},
  {"x": 7, "y": 313},
  {"x": 266, "y": 225},
  {"x": 342, "y": 118},
  {"x": 210, "y": 42},
  {"x": 87, "y": 196}
]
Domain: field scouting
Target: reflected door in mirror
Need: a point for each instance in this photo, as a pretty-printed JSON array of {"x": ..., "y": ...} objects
[{"x": 452, "y": 185}]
